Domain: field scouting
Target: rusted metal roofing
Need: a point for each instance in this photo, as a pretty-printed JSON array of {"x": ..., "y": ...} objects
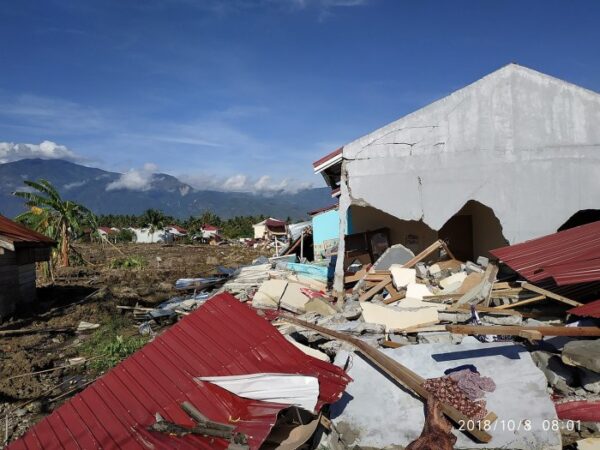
[
  {"x": 563, "y": 249},
  {"x": 329, "y": 156},
  {"x": 591, "y": 309},
  {"x": 586, "y": 411},
  {"x": 223, "y": 337},
  {"x": 19, "y": 235}
]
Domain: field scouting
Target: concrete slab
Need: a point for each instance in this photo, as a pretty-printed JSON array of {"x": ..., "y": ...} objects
[
  {"x": 416, "y": 290},
  {"x": 396, "y": 254},
  {"x": 402, "y": 276},
  {"x": 382, "y": 414},
  {"x": 394, "y": 319},
  {"x": 453, "y": 282},
  {"x": 293, "y": 299},
  {"x": 269, "y": 294}
]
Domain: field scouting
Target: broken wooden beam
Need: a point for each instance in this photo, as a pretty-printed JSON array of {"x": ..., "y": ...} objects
[
  {"x": 425, "y": 253},
  {"x": 549, "y": 294},
  {"x": 396, "y": 371},
  {"x": 535, "y": 299},
  {"x": 515, "y": 330},
  {"x": 374, "y": 290}
]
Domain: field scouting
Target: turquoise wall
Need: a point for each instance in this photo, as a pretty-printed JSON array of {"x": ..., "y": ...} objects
[{"x": 326, "y": 226}]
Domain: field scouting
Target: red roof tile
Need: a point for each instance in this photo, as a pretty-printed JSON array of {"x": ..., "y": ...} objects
[
  {"x": 561, "y": 249},
  {"x": 222, "y": 337},
  {"x": 21, "y": 236},
  {"x": 592, "y": 309},
  {"x": 327, "y": 157},
  {"x": 210, "y": 227}
]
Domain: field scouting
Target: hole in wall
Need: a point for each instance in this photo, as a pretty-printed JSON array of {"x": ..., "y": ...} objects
[{"x": 581, "y": 217}]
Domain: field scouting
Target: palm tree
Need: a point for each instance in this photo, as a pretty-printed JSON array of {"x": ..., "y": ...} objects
[
  {"x": 154, "y": 220},
  {"x": 51, "y": 215}
]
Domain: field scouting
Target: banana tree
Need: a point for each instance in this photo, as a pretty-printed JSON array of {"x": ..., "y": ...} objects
[{"x": 51, "y": 215}]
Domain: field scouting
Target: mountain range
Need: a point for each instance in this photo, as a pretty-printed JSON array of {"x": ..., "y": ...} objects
[{"x": 90, "y": 187}]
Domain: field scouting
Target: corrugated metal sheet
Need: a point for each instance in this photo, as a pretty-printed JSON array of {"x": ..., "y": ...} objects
[
  {"x": 575, "y": 272},
  {"x": 531, "y": 257},
  {"x": 223, "y": 337},
  {"x": 586, "y": 411},
  {"x": 20, "y": 235},
  {"x": 590, "y": 310}
]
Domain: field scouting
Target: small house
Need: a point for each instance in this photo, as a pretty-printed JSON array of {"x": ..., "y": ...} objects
[
  {"x": 270, "y": 228},
  {"x": 20, "y": 249},
  {"x": 148, "y": 236},
  {"x": 177, "y": 231},
  {"x": 209, "y": 231}
]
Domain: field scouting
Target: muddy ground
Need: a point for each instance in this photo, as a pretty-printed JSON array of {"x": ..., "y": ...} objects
[{"x": 90, "y": 291}]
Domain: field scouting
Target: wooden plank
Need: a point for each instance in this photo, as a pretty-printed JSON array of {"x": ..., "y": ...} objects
[
  {"x": 488, "y": 310},
  {"x": 396, "y": 371},
  {"x": 394, "y": 294},
  {"x": 552, "y": 295},
  {"x": 356, "y": 277},
  {"x": 378, "y": 276},
  {"x": 522, "y": 302},
  {"x": 374, "y": 290},
  {"x": 514, "y": 330},
  {"x": 424, "y": 254}
]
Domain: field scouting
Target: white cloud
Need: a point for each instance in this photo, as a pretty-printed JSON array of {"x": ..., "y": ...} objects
[
  {"x": 135, "y": 179},
  {"x": 10, "y": 152},
  {"x": 74, "y": 184},
  {"x": 263, "y": 185}
]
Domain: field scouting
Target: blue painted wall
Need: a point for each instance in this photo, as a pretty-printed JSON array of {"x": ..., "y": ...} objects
[{"x": 326, "y": 226}]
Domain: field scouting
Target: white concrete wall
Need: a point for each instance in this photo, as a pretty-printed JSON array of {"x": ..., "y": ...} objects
[{"x": 525, "y": 144}]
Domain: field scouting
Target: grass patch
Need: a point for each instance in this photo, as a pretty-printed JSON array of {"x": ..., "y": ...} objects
[
  {"x": 130, "y": 262},
  {"x": 109, "y": 345}
]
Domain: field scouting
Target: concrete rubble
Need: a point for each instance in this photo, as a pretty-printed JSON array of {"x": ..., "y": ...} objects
[{"x": 399, "y": 329}]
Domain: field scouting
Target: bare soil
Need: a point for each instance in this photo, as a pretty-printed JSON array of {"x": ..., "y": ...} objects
[{"x": 24, "y": 400}]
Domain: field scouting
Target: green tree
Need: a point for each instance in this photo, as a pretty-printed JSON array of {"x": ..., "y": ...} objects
[
  {"x": 57, "y": 218},
  {"x": 154, "y": 220}
]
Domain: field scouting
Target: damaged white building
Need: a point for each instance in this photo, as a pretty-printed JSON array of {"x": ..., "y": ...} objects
[{"x": 511, "y": 157}]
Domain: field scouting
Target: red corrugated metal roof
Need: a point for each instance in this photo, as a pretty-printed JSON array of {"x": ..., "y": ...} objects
[
  {"x": 575, "y": 272},
  {"x": 210, "y": 227},
  {"x": 530, "y": 258},
  {"x": 223, "y": 337},
  {"x": 592, "y": 309},
  {"x": 327, "y": 157},
  {"x": 21, "y": 236},
  {"x": 586, "y": 411}
]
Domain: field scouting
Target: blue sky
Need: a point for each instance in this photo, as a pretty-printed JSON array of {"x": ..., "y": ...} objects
[{"x": 246, "y": 94}]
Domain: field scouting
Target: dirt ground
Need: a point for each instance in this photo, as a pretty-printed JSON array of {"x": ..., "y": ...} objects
[{"x": 26, "y": 398}]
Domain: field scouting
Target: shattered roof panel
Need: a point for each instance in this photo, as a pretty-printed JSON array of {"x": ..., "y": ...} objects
[
  {"x": 20, "y": 235},
  {"x": 223, "y": 337},
  {"x": 530, "y": 258},
  {"x": 590, "y": 310}
]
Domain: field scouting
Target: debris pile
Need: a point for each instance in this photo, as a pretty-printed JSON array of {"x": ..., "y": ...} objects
[{"x": 257, "y": 353}]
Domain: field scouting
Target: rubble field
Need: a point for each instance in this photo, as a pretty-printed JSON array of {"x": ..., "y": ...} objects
[
  {"x": 53, "y": 339},
  {"x": 244, "y": 351}
]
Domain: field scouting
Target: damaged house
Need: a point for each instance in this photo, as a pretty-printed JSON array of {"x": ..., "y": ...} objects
[
  {"x": 20, "y": 249},
  {"x": 508, "y": 158}
]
